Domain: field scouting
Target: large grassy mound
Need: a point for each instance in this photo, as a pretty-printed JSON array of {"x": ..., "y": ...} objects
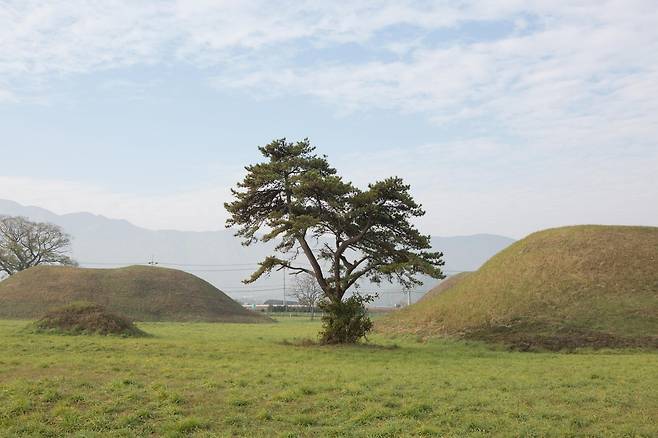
[
  {"x": 446, "y": 284},
  {"x": 559, "y": 288},
  {"x": 82, "y": 318},
  {"x": 138, "y": 292}
]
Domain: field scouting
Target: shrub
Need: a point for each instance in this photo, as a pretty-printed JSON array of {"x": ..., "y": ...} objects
[
  {"x": 345, "y": 322},
  {"x": 86, "y": 318}
]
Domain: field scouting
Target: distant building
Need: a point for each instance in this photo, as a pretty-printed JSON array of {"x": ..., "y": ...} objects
[{"x": 281, "y": 303}]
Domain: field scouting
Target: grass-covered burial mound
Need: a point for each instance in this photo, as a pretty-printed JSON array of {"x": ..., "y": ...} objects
[
  {"x": 86, "y": 319},
  {"x": 580, "y": 286},
  {"x": 140, "y": 293}
]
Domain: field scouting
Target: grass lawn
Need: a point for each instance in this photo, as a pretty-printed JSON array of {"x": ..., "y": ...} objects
[{"x": 242, "y": 380}]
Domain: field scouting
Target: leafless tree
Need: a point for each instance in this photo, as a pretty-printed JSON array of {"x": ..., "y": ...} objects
[
  {"x": 308, "y": 292},
  {"x": 24, "y": 244}
]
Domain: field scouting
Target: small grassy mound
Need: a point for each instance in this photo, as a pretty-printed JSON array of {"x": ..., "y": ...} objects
[
  {"x": 86, "y": 319},
  {"x": 563, "y": 288}
]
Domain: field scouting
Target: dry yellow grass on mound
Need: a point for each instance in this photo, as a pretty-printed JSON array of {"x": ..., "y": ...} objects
[
  {"x": 588, "y": 285},
  {"x": 139, "y": 292}
]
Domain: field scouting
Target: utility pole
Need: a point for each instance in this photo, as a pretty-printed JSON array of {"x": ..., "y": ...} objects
[
  {"x": 408, "y": 292},
  {"x": 285, "y": 303}
]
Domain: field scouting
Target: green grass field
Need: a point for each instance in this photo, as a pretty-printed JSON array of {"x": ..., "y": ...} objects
[{"x": 203, "y": 379}]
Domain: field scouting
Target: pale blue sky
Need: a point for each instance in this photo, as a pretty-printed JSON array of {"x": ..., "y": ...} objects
[{"x": 506, "y": 117}]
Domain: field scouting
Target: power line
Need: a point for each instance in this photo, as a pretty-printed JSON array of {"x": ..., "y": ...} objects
[
  {"x": 455, "y": 271},
  {"x": 171, "y": 264},
  {"x": 378, "y": 292},
  {"x": 252, "y": 290},
  {"x": 219, "y": 270},
  {"x": 211, "y": 265},
  {"x": 243, "y": 267}
]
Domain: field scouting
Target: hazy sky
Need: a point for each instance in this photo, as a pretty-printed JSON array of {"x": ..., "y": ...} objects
[{"x": 505, "y": 116}]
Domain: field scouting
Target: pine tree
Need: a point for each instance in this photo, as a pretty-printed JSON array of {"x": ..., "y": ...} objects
[{"x": 347, "y": 235}]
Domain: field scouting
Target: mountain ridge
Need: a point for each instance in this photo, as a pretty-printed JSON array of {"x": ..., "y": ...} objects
[{"x": 99, "y": 241}]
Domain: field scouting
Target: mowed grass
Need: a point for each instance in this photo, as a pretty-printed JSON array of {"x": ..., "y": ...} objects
[{"x": 201, "y": 379}]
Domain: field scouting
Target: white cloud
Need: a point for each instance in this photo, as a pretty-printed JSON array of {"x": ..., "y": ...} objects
[
  {"x": 566, "y": 96},
  {"x": 6, "y": 96},
  {"x": 78, "y": 36},
  {"x": 465, "y": 186},
  {"x": 478, "y": 185},
  {"x": 576, "y": 64},
  {"x": 579, "y": 84}
]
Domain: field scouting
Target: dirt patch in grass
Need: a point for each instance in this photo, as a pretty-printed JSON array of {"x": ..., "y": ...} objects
[
  {"x": 86, "y": 318},
  {"x": 301, "y": 342},
  {"x": 523, "y": 338}
]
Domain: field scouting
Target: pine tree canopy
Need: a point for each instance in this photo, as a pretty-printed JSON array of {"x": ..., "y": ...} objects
[{"x": 294, "y": 197}]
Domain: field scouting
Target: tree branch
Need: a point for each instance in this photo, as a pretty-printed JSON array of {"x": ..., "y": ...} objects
[
  {"x": 319, "y": 276},
  {"x": 354, "y": 239}
]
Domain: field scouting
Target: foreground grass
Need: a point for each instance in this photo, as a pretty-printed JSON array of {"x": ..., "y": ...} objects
[{"x": 241, "y": 380}]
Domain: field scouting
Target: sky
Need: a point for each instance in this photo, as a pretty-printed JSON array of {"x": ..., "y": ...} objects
[{"x": 505, "y": 116}]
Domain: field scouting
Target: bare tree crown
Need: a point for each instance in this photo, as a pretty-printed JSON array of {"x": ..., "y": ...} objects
[
  {"x": 307, "y": 290},
  {"x": 24, "y": 244}
]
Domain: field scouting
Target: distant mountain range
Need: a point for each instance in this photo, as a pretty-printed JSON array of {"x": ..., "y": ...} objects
[{"x": 218, "y": 256}]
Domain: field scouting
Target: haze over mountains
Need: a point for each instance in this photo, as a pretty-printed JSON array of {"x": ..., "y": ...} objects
[{"x": 218, "y": 256}]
